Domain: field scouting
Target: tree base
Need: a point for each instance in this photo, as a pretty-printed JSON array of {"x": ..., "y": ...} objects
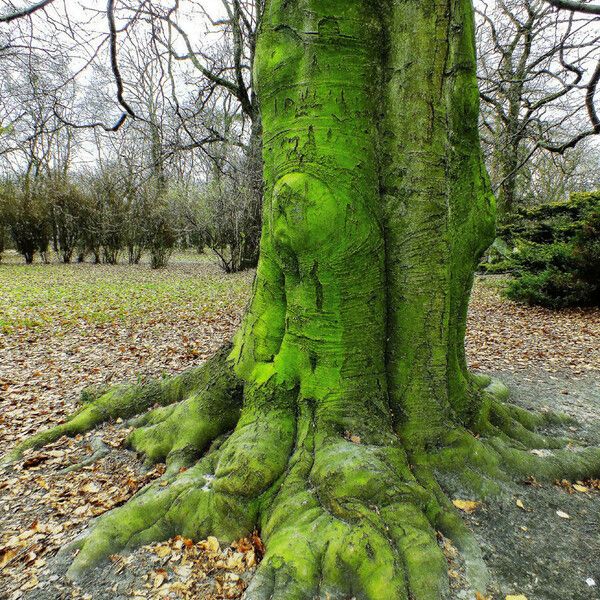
[{"x": 342, "y": 516}]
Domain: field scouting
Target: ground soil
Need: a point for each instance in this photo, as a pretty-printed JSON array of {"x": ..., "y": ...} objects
[
  {"x": 549, "y": 360},
  {"x": 529, "y": 548}
]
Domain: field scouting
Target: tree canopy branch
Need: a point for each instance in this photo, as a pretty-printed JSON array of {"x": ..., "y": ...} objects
[
  {"x": 590, "y": 9},
  {"x": 110, "y": 12},
  {"x": 24, "y": 12}
]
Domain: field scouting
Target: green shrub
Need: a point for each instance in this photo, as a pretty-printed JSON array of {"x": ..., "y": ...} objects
[
  {"x": 25, "y": 210},
  {"x": 556, "y": 256}
]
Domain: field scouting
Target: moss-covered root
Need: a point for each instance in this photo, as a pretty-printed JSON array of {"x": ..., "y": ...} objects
[
  {"x": 159, "y": 511},
  {"x": 126, "y": 401},
  {"x": 510, "y": 444},
  {"x": 483, "y": 464},
  {"x": 350, "y": 521},
  {"x": 342, "y": 516},
  {"x": 341, "y": 520},
  {"x": 181, "y": 432},
  {"x": 510, "y": 422},
  {"x": 219, "y": 496}
]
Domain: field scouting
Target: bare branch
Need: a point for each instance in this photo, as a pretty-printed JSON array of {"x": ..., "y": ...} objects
[
  {"x": 25, "y": 12},
  {"x": 590, "y": 9},
  {"x": 592, "y": 113},
  {"x": 114, "y": 64}
]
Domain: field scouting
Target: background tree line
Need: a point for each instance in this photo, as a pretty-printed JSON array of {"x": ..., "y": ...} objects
[
  {"x": 111, "y": 214},
  {"x": 174, "y": 159}
]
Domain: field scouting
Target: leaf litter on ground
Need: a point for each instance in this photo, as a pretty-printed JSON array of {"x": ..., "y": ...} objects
[{"x": 67, "y": 327}]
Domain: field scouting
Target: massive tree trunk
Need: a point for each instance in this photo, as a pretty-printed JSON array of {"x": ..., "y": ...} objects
[{"x": 346, "y": 398}]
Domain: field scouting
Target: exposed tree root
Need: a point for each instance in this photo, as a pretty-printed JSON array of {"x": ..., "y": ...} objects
[
  {"x": 211, "y": 388},
  {"x": 99, "y": 450},
  {"x": 339, "y": 517},
  {"x": 342, "y": 516}
]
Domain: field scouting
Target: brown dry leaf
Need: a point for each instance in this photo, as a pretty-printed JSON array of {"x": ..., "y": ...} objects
[
  {"x": 566, "y": 485},
  {"x": 467, "y": 506},
  {"x": 244, "y": 545},
  {"x": 91, "y": 488},
  {"x": 235, "y": 562},
  {"x": 6, "y": 555},
  {"x": 258, "y": 545},
  {"x": 352, "y": 437},
  {"x": 159, "y": 578},
  {"x": 211, "y": 545},
  {"x": 162, "y": 551},
  {"x": 450, "y": 550},
  {"x": 250, "y": 559}
]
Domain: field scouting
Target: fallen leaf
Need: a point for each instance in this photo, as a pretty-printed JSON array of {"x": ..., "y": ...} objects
[
  {"x": 580, "y": 488},
  {"x": 90, "y": 488},
  {"x": 211, "y": 545},
  {"x": 183, "y": 572},
  {"x": 162, "y": 551},
  {"x": 562, "y": 515},
  {"x": 6, "y": 555},
  {"x": 159, "y": 578},
  {"x": 468, "y": 506},
  {"x": 520, "y": 504}
]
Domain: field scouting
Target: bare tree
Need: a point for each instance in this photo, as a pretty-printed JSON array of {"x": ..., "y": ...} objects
[
  {"x": 538, "y": 72},
  {"x": 551, "y": 177},
  {"x": 228, "y": 69},
  {"x": 126, "y": 39}
]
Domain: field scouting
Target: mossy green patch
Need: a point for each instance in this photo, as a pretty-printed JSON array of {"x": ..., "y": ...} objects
[{"x": 37, "y": 296}]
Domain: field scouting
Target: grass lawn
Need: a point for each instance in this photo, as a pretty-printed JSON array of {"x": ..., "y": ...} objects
[{"x": 32, "y": 296}]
